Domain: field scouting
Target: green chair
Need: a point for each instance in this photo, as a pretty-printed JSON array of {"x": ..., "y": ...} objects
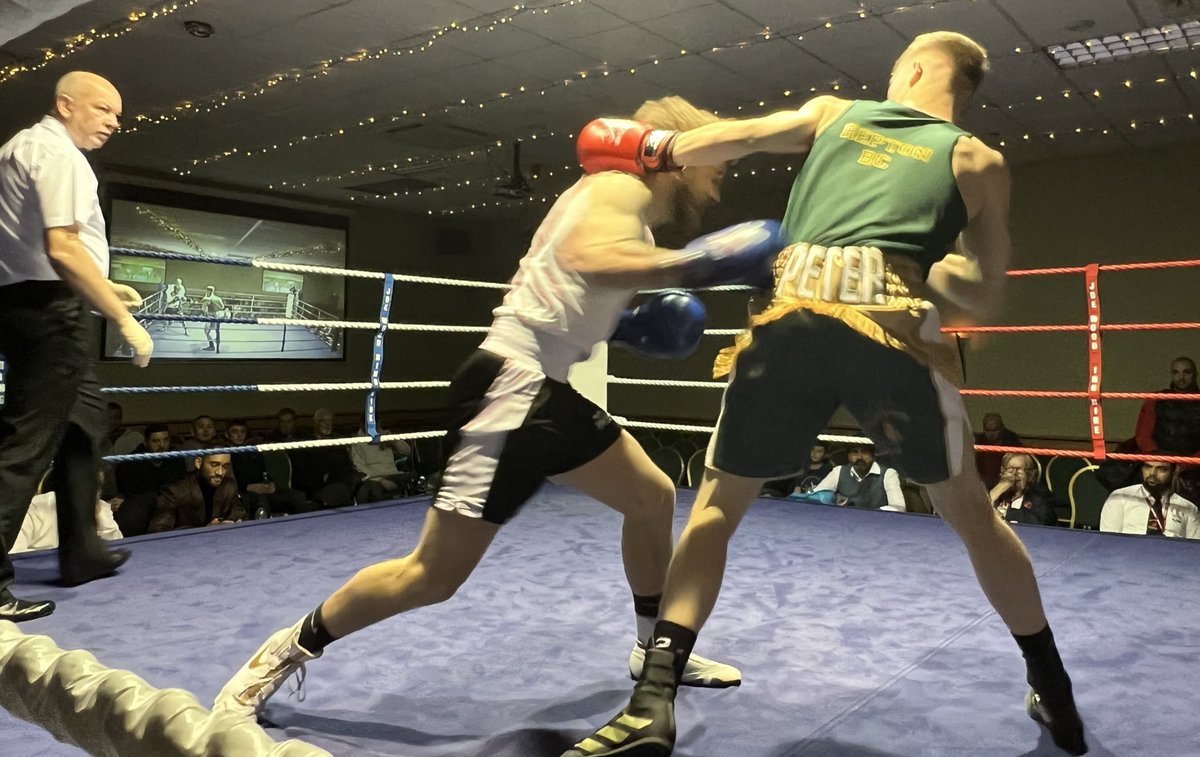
[{"x": 1087, "y": 498}]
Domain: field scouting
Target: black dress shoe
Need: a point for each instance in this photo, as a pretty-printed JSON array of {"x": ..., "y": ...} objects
[
  {"x": 17, "y": 610},
  {"x": 83, "y": 571}
]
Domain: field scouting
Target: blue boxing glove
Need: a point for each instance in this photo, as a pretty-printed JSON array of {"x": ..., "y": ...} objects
[
  {"x": 668, "y": 325},
  {"x": 741, "y": 254}
]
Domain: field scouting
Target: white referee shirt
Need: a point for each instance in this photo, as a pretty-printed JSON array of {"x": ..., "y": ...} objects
[{"x": 45, "y": 182}]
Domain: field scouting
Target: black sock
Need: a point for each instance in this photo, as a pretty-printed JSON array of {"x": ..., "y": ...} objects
[
  {"x": 677, "y": 640},
  {"x": 647, "y": 607},
  {"x": 314, "y": 636},
  {"x": 1044, "y": 668}
]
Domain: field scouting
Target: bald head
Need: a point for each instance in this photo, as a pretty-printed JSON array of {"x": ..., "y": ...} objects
[{"x": 89, "y": 106}]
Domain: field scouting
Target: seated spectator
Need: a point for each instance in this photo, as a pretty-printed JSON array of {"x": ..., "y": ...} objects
[
  {"x": 40, "y": 527},
  {"x": 1173, "y": 427},
  {"x": 864, "y": 483},
  {"x": 815, "y": 469},
  {"x": 324, "y": 474},
  {"x": 204, "y": 433},
  {"x": 996, "y": 433},
  {"x": 118, "y": 441},
  {"x": 1151, "y": 507},
  {"x": 378, "y": 465},
  {"x": 285, "y": 427},
  {"x": 139, "y": 481},
  {"x": 1018, "y": 497},
  {"x": 207, "y": 497},
  {"x": 121, "y": 440},
  {"x": 819, "y": 466},
  {"x": 260, "y": 493}
]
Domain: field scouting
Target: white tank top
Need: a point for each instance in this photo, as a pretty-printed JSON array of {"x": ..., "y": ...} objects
[{"x": 553, "y": 317}]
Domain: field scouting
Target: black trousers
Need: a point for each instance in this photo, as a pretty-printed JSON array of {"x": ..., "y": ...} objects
[{"x": 53, "y": 412}]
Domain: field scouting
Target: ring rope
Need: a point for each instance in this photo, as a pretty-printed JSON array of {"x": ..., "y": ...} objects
[
  {"x": 114, "y": 712},
  {"x": 1044, "y": 394},
  {"x": 1106, "y": 267},
  {"x": 665, "y": 382},
  {"x": 1055, "y": 452},
  {"x": 271, "y": 446},
  {"x": 293, "y": 267},
  {"x": 709, "y": 429},
  {"x": 344, "y": 386}
]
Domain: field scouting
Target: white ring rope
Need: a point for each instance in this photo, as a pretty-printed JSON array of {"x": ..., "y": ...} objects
[
  {"x": 363, "y": 385},
  {"x": 666, "y": 382},
  {"x": 114, "y": 713},
  {"x": 328, "y": 270},
  {"x": 709, "y": 429},
  {"x": 372, "y": 325}
]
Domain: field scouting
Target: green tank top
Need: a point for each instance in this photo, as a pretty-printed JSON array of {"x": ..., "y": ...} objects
[{"x": 880, "y": 176}]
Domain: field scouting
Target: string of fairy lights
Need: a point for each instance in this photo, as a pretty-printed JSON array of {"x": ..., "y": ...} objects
[
  {"x": 518, "y": 90},
  {"x": 413, "y": 45},
  {"x": 1130, "y": 88},
  {"x": 169, "y": 226},
  {"x": 84, "y": 40},
  {"x": 497, "y": 22}
]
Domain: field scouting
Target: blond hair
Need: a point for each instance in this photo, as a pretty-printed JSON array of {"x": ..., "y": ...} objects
[
  {"x": 673, "y": 113},
  {"x": 970, "y": 59}
]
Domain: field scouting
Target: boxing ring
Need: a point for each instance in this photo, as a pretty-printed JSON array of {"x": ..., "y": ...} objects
[{"x": 858, "y": 632}]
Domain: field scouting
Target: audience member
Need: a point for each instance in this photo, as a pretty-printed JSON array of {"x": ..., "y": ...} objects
[
  {"x": 261, "y": 494},
  {"x": 819, "y": 466},
  {"x": 1172, "y": 427},
  {"x": 1018, "y": 497},
  {"x": 1151, "y": 507},
  {"x": 121, "y": 440},
  {"x": 208, "y": 497},
  {"x": 378, "y": 465},
  {"x": 863, "y": 482},
  {"x": 285, "y": 427},
  {"x": 996, "y": 433},
  {"x": 204, "y": 433},
  {"x": 816, "y": 468},
  {"x": 118, "y": 441},
  {"x": 324, "y": 474},
  {"x": 139, "y": 481}
]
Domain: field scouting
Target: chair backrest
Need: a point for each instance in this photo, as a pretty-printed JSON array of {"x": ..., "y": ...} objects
[
  {"x": 695, "y": 468},
  {"x": 915, "y": 498},
  {"x": 279, "y": 467},
  {"x": 670, "y": 462},
  {"x": 1058, "y": 473},
  {"x": 1087, "y": 498}
]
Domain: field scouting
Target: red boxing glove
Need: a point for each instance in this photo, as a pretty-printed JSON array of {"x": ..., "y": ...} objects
[{"x": 614, "y": 144}]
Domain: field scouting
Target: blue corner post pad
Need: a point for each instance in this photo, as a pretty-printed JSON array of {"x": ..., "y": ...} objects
[{"x": 385, "y": 313}]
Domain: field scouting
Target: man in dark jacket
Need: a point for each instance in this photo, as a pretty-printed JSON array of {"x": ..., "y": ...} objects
[
  {"x": 139, "y": 482},
  {"x": 208, "y": 497}
]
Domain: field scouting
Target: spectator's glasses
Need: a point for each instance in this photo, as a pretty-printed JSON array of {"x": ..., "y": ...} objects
[{"x": 1017, "y": 469}]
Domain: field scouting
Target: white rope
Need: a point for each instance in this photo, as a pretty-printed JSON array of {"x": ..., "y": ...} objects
[
  {"x": 272, "y": 266},
  {"x": 352, "y": 385},
  {"x": 724, "y": 332},
  {"x": 344, "y": 441},
  {"x": 436, "y": 327},
  {"x": 665, "y": 382},
  {"x": 709, "y": 429},
  {"x": 373, "y": 325},
  {"x": 718, "y": 288}
]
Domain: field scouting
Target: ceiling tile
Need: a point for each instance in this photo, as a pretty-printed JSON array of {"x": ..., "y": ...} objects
[
  {"x": 640, "y": 10},
  {"x": 980, "y": 21},
  {"x": 788, "y": 16},
  {"x": 704, "y": 27},
  {"x": 1062, "y": 21},
  {"x": 625, "y": 46},
  {"x": 863, "y": 50}
]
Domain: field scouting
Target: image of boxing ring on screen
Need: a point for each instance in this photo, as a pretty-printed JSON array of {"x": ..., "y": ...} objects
[{"x": 196, "y": 288}]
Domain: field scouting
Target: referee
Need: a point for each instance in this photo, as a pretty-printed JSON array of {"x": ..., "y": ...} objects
[{"x": 53, "y": 263}]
